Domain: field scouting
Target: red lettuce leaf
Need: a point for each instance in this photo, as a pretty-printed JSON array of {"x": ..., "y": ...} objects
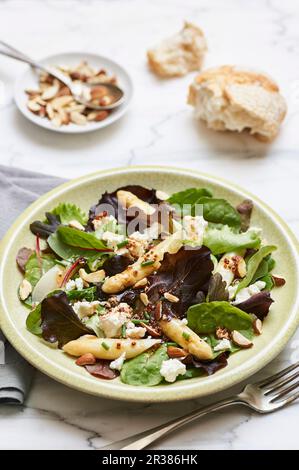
[
  {"x": 182, "y": 274},
  {"x": 59, "y": 322},
  {"x": 101, "y": 370},
  {"x": 209, "y": 367},
  {"x": 108, "y": 202},
  {"x": 23, "y": 256},
  {"x": 116, "y": 264},
  {"x": 44, "y": 230},
  {"x": 245, "y": 210},
  {"x": 217, "y": 289},
  {"x": 259, "y": 304}
]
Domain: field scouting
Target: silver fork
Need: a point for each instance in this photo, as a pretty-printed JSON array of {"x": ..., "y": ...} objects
[{"x": 265, "y": 396}]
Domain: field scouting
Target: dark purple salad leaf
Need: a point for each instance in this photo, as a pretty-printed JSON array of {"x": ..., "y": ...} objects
[
  {"x": 217, "y": 289},
  {"x": 182, "y": 274},
  {"x": 116, "y": 264},
  {"x": 101, "y": 370},
  {"x": 259, "y": 304},
  {"x": 23, "y": 256},
  {"x": 109, "y": 203},
  {"x": 45, "y": 229},
  {"x": 59, "y": 322},
  {"x": 245, "y": 210},
  {"x": 209, "y": 367}
]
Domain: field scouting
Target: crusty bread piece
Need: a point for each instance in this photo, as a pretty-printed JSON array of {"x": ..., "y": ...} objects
[
  {"x": 228, "y": 98},
  {"x": 179, "y": 54}
]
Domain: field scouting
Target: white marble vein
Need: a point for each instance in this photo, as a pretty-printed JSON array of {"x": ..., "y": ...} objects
[{"x": 159, "y": 129}]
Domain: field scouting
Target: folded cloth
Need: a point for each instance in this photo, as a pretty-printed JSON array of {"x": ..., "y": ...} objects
[{"x": 18, "y": 189}]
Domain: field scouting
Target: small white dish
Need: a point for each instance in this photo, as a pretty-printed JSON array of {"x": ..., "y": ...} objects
[{"x": 29, "y": 79}]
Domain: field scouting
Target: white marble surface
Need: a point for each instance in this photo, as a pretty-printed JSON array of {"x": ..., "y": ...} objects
[{"x": 159, "y": 129}]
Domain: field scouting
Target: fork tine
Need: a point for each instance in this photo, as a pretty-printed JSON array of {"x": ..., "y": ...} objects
[
  {"x": 281, "y": 383},
  {"x": 285, "y": 391},
  {"x": 288, "y": 400},
  {"x": 274, "y": 377}
]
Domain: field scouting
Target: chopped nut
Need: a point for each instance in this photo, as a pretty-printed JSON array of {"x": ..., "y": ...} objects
[
  {"x": 158, "y": 311},
  {"x": 86, "y": 359},
  {"x": 78, "y": 118},
  {"x": 94, "y": 277},
  {"x": 61, "y": 101},
  {"x": 56, "y": 120},
  {"x": 76, "y": 224},
  {"x": 144, "y": 298},
  {"x": 171, "y": 298},
  {"x": 33, "y": 106},
  {"x": 101, "y": 115},
  {"x": 173, "y": 351},
  {"x": 222, "y": 333},
  {"x": 50, "y": 111},
  {"x": 50, "y": 92},
  {"x": 154, "y": 333},
  {"x": 278, "y": 280},
  {"x": 143, "y": 282},
  {"x": 25, "y": 289},
  {"x": 162, "y": 195},
  {"x": 98, "y": 92},
  {"x": 241, "y": 340},
  {"x": 257, "y": 326},
  {"x": 64, "y": 91}
]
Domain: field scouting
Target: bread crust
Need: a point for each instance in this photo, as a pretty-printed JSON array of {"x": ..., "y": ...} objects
[
  {"x": 230, "y": 98},
  {"x": 180, "y": 54}
]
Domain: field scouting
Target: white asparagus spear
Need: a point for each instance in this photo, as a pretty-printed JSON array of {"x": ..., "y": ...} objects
[
  {"x": 137, "y": 271},
  {"x": 128, "y": 199},
  {"x": 108, "y": 348},
  {"x": 176, "y": 330}
]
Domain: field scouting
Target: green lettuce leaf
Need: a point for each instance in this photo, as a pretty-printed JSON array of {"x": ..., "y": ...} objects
[
  {"x": 144, "y": 370},
  {"x": 33, "y": 270},
  {"x": 190, "y": 196},
  {"x": 224, "y": 240},
  {"x": 68, "y": 212},
  {"x": 33, "y": 321},
  {"x": 206, "y": 317},
  {"x": 94, "y": 324},
  {"x": 254, "y": 263}
]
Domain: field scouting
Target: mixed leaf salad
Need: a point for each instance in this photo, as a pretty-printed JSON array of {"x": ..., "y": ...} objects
[{"x": 146, "y": 286}]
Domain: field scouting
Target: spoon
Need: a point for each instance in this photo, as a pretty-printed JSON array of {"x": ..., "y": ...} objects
[{"x": 79, "y": 90}]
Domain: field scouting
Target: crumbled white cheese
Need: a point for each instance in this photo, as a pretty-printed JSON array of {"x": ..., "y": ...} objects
[
  {"x": 135, "y": 332},
  {"x": 99, "y": 222},
  {"x": 247, "y": 292},
  {"x": 74, "y": 284},
  {"x": 184, "y": 321},
  {"x": 76, "y": 224},
  {"x": 85, "y": 309},
  {"x": 119, "y": 362},
  {"x": 232, "y": 290},
  {"x": 222, "y": 345},
  {"x": 194, "y": 228},
  {"x": 112, "y": 322},
  {"x": 112, "y": 239},
  {"x": 70, "y": 285},
  {"x": 171, "y": 369},
  {"x": 139, "y": 242}
]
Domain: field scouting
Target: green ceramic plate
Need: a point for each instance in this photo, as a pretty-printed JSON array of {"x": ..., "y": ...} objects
[{"x": 278, "y": 328}]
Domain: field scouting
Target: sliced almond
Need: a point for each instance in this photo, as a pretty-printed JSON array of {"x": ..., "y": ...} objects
[
  {"x": 94, "y": 277},
  {"x": 64, "y": 91},
  {"x": 278, "y": 280},
  {"x": 143, "y": 282},
  {"x": 257, "y": 326},
  {"x": 65, "y": 116},
  {"x": 56, "y": 120},
  {"x": 25, "y": 289},
  {"x": 39, "y": 100},
  {"x": 222, "y": 333},
  {"x": 32, "y": 93},
  {"x": 144, "y": 298},
  {"x": 240, "y": 340},
  {"x": 50, "y": 111},
  {"x": 33, "y": 106},
  {"x": 76, "y": 107},
  {"x": 162, "y": 195},
  {"x": 86, "y": 359},
  {"x": 42, "y": 111},
  {"x": 61, "y": 101},
  {"x": 172, "y": 298},
  {"x": 76, "y": 224},
  {"x": 173, "y": 351},
  {"x": 91, "y": 116},
  {"x": 78, "y": 118},
  {"x": 154, "y": 333},
  {"x": 50, "y": 92}
]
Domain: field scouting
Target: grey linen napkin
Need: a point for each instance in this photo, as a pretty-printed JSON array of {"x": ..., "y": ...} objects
[{"x": 18, "y": 189}]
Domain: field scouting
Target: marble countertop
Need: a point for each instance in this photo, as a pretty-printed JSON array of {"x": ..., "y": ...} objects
[{"x": 159, "y": 129}]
